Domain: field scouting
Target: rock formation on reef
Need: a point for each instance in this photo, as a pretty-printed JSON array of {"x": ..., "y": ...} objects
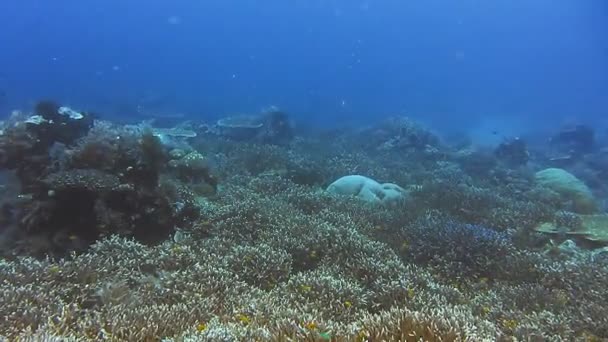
[
  {"x": 574, "y": 140},
  {"x": 398, "y": 133},
  {"x": 271, "y": 127},
  {"x": 81, "y": 181},
  {"x": 514, "y": 152}
]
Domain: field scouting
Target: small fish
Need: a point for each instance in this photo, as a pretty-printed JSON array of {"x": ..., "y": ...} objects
[{"x": 25, "y": 197}]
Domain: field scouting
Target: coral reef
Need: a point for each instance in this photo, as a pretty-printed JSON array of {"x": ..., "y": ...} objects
[
  {"x": 513, "y": 151},
  {"x": 574, "y": 140},
  {"x": 80, "y": 182},
  {"x": 272, "y": 126},
  {"x": 194, "y": 169},
  {"x": 570, "y": 188},
  {"x": 590, "y": 228},
  {"x": 119, "y": 234},
  {"x": 457, "y": 249},
  {"x": 368, "y": 190}
]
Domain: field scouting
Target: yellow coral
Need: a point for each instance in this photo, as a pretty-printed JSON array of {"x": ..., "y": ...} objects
[
  {"x": 201, "y": 327},
  {"x": 411, "y": 293},
  {"x": 54, "y": 269},
  {"x": 405, "y": 246},
  {"x": 362, "y": 336},
  {"x": 311, "y": 325},
  {"x": 243, "y": 318},
  {"x": 510, "y": 323},
  {"x": 305, "y": 288}
]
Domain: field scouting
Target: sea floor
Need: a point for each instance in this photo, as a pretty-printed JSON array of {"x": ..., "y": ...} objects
[{"x": 131, "y": 233}]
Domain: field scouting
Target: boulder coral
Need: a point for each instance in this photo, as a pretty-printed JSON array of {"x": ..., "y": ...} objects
[
  {"x": 368, "y": 190},
  {"x": 569, "y": 187}
]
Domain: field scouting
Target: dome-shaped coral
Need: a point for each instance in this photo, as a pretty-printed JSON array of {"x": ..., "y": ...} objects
[
  {"x": 367, "y": 189},
  {"x": 570, "y": 189}
]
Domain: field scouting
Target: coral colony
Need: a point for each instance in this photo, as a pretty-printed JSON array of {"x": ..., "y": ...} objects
[{"x": 248, "y": 229}]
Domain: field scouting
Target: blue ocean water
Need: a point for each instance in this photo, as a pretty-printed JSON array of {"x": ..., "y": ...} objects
[{"x": 480, "y": 66}]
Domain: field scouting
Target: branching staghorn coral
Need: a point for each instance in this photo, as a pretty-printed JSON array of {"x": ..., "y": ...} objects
[{"x": 268, "y": 259}]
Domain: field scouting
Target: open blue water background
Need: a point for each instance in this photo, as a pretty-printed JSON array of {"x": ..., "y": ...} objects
[{"x": 480, "y": 66}]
